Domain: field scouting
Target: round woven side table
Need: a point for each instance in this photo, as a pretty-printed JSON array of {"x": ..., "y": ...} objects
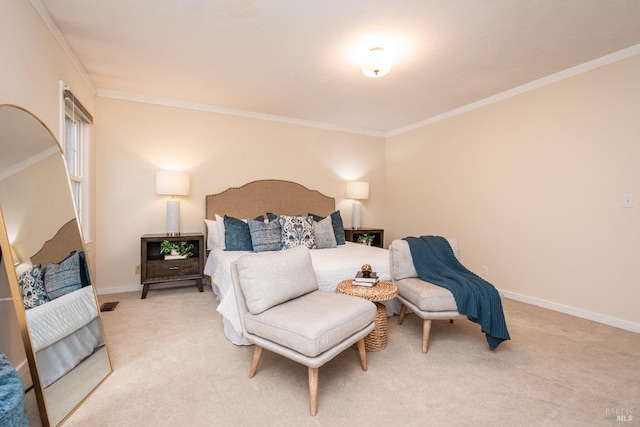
[{"x": 381, "y": 291}]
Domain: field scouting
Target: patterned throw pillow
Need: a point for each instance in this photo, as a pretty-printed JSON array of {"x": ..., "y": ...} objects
[
  {"x": 63, "y": 277},
  {"x": 323, "y": 233},
  {"x": 297, "y": 231},
  {"x": 336, "y": 222},
  {"x": 32, "y": 287},
  {"x": 265, "y": 236}
]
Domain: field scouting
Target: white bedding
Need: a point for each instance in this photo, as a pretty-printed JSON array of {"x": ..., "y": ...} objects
[
  {"x": 50, "y": 322},
  {"x": 331, "y": 266}
]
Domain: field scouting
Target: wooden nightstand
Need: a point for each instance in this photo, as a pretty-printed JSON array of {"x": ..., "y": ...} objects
[
  {"x": 351, "y": 235},
  {"x": 155, "y": 269}
]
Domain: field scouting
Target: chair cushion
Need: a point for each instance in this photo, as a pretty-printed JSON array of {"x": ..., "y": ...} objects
[
  {"x": 312, "y": 323},
  {"x": 270, "y": 278},
  {"x": 426, "y": 296}
]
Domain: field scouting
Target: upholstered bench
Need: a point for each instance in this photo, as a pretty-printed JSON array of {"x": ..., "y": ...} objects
[{"x": 426, "y": 300}]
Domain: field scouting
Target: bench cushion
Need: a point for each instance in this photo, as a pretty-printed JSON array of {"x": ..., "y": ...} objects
[
  {"x": 312, "y": 323},
  {"x": 426, "y": 296}
]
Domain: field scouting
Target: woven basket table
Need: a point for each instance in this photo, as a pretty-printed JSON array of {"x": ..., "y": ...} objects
[{"x": 381, "y": 291}]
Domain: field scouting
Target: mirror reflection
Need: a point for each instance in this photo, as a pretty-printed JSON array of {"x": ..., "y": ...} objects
[{"x": 60, "y": 306}]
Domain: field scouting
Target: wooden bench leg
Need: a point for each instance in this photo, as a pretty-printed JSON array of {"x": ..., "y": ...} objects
[
  {"x": 363, "y": 354},
  {"x": 403, "y": 311},
  {"x": 257, "y": 354},
  {"x": 426, "y": 330},
  {"x": 313, "y": 390}
]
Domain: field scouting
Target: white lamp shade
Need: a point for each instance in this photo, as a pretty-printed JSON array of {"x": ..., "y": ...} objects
[
  {"x": 172, "y": 182},
  {"x": 357, "y": 190}
]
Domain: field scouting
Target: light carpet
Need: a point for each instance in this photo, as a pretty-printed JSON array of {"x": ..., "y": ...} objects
[{"x": 174, "y": 367}]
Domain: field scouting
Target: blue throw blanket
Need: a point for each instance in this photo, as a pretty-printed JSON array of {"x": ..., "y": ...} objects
[{"x": 436, "y": 263}]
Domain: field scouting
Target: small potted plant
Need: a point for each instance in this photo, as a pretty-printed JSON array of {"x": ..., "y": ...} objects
[
  {"x": 176, "y": 250},
  {"x": 365, "y": 239}
]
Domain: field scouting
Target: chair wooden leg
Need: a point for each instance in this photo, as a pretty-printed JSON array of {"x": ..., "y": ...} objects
[
  {"x": 426, "y": 330},
  {"x": 403, "y": 311},
  {"x": 313, "y": 390},
  {"x": 257, "y": 354},
  {"x": 363, "y": 354}
]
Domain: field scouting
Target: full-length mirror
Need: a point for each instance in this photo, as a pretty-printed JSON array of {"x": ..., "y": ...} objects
[{"x": 51, "y": 278}]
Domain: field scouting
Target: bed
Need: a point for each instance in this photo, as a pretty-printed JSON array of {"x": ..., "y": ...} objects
[
  {"x": 65, "y": 330},
  {"x": 331, "y": 265}
]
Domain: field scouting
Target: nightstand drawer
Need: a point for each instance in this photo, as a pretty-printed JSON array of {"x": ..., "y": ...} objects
[{"x": 172, "y": 268}]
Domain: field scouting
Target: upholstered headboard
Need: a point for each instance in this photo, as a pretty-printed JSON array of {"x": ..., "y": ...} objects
[
  {"x": 65, "y": 241},
  {"x": 268, "y": 195}
]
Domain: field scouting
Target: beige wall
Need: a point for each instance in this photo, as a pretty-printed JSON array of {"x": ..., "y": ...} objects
[
  {"x": 134, "y": 140},
  {"x": 532, "y": 187}
]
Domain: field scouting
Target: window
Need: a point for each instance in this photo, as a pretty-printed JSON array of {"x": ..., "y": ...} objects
[{"x": 76, "y": 134}]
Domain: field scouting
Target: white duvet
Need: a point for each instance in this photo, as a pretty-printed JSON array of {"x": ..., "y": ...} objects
[
  {"x": 331, "y": 266},
  {"x": 63, "y": 316}
]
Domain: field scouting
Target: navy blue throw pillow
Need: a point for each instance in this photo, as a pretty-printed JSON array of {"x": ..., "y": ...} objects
[{"x": 237, "y": 236}]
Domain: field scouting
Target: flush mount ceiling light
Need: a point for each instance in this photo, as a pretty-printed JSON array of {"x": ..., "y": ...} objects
[{"x": 376, "y": 63}]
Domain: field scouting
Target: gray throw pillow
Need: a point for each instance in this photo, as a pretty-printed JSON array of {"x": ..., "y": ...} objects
[
  {"x": 338, "y": 226},
  {"x": 265, "y": 236},
  {"x": 323, "y": 234}
]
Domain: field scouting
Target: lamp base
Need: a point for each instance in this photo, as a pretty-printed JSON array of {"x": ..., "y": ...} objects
[
  {"x": 173, "y": 217},
  {"x": 355, "y": 216}
]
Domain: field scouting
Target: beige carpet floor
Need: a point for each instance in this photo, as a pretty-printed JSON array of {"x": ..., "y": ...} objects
[{"x": 174, "y": 367}]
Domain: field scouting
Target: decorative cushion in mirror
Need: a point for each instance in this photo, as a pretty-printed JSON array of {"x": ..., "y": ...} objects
[
  {"x": 265, "y": 236},
  {"x": 323, "y": 233},
  {"x": 32, "y": 287},
  {"x": 297, "y": 231},
  {"x": 338, "y": 226},
  {"x": 85, "y": 277},
  {"x": 237, "y": 236},
  {"x": 262, "y": 285},
  {"x": 63, "y": 277}
]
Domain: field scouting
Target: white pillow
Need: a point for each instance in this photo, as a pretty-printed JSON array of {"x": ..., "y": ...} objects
[
  {"x": 220, "y": 223},
  {"x": 213, "y": 235}
]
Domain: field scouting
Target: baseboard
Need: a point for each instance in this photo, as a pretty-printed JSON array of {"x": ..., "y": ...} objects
[
  {"x": 120, "y": 290},
  {"x": 138, "y": 288},
  {"x": 566, "y": 309}
]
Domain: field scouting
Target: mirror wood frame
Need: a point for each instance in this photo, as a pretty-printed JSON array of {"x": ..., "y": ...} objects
[{"x": 16, "y": 295}]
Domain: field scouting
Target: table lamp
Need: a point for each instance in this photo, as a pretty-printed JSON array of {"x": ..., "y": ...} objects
[{"x": 357, "y": 190}]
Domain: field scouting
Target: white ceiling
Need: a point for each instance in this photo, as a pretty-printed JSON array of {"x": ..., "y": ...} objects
[{"x": 295, "y": 58}]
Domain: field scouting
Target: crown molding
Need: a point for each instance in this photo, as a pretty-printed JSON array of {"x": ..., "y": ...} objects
[
  {"x": 527, "y": 87},
  {"x": 53, "y": 29}
]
